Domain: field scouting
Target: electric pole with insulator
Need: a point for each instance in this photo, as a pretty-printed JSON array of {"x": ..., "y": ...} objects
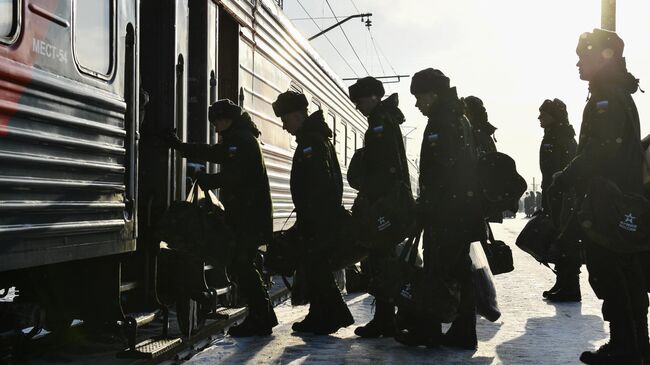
[{"x": 608, "y": 15}]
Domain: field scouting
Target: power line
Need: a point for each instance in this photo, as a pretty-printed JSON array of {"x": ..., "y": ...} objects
[
  {"x": 328, "y": 40},
  {"x": 355, "y": 6},
  {"x": 374, "y": 45},
  {"x": 383, "y": 54},
  {"x": 347, "y": 39}
]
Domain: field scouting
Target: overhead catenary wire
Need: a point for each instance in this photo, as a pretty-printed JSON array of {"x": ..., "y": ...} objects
[
  {"x": 355, "y": 6},
  {"x": 374, "y": 46},
  {"x": 347, "y": 39},
  {"x": 386, "y": 58},
  {"x": 328, "y": 40}
]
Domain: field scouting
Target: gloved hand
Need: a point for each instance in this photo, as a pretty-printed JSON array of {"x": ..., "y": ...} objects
[{"x": 170, "y": 139}]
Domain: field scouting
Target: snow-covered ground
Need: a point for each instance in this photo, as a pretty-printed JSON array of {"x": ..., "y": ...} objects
[{"x": 530, "y": 331}]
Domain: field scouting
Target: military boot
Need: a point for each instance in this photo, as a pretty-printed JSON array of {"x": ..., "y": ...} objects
[
  {"x": 622, "y": 348},
  {"x": 335, "y": 318},
  {"x": 569, "y": 290},
  {"x": 554, "y": 288},
  {"x": 382, "y": 324},
  {"x": 425, "y": 334},
  {"x": 462, "y": 333},
  {"x": 306, "y": 325},
  {"x": 251, "y": 327},
  {"x": 259, "y": 322}
]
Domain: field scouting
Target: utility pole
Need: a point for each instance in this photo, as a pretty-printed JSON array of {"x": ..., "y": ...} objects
[
  {"x": 534, "y": 185},
  {"x": 608, "y": 15},
  {"x": 362, "y": 16}
]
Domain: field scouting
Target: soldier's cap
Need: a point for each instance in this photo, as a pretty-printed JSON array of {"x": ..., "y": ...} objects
[
  {"x": 224, "y": 109},
  {"x": 429, "y": 80},
  {"x": 289, "y": 101},
  {"x": 556, "y": 108},
  {"x": 364, "y": 87},
  {"x": 605, "y": 42}
]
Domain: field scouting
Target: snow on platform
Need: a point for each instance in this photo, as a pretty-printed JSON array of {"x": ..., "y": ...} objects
[{"x": 530, "y": 331}]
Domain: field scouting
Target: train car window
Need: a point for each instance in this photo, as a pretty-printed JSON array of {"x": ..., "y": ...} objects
[
  {"x": 331, "y": 120},
  {"x": 339, "y": 141},
  {"x": 295, "y": 87},
  {"x": 349, "y": 144},
  {"x": 359, "y": 140},
  {"x": 8, "y": 18},
  {"x": 93, "y": 35},
  {"x": 316, "y": 105}
]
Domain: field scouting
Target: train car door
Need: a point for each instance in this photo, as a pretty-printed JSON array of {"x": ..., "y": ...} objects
[{"x": 164, "y": 54}]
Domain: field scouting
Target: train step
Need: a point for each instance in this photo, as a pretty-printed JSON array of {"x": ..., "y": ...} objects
[
  {"x": 141, "y": 319},
  {"x": 151, "y": 348},
  {"x": 227, "y": 313},
  {"x": 128, "y": 286}
]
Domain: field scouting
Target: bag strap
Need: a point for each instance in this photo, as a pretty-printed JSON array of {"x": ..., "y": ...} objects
[
  {"x": 287, "y": 220},
  {"x": 410, "y": 249},
  {"x": 192, "y": 195},
  {"x": 413, "y": 253},
  {"x": 286, "y": 282},
  {"x": 485, "y": 244},
  {"x": 490, "y": 234}
]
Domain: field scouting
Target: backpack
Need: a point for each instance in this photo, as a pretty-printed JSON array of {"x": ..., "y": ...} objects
[{"x": 499, "y": 182}]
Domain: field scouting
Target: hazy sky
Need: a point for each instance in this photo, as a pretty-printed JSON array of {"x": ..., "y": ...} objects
[{"x": 513, "y": 54}]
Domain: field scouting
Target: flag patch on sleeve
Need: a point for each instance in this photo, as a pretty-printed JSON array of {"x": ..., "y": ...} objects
[{"x": 433, "y": 137}]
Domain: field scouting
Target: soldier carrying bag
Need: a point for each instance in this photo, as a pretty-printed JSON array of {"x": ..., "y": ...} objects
[
  {"x": 616, "y": 220},
  {"x": 197, "y": 226},
  {"x": 387, "y": 220},
  {"x": 422, "y": 294},
  {"x": 498, "y": 253}
]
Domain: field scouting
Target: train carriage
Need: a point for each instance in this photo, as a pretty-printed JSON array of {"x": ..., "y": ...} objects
[{"x": 84, "y": 174}]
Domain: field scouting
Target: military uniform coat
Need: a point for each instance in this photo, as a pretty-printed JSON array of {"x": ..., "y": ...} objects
[
  {"x": 557, "y": 149},
  {"x": 243, "y": 180},
  {"x": 384, "y": 160},
  {"x": 609, "y": 144},
  {"x": 316, "y": 182},
  {"x": 449, "y": 196}
]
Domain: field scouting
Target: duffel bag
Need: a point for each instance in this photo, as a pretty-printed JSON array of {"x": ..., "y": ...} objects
[
  {"x": 615, "y": 220},
  {"x": 500, "y": 183},
  {"x": 345, "y": 250},
  {"x": 197, "y": 226},
  {"x": 423, "y": 295},
  {"x": 281, "y": 256},
  {"x": 385, "y": 221},
  {"x": 539, "y": 239},
  {"x": 499, "y": 255}
]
